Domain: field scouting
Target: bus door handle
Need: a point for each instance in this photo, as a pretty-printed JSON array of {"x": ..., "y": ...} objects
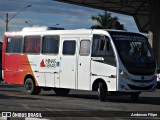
[
  {"x": 55, "y": 72},
  {"x": 80, "y": 64}
]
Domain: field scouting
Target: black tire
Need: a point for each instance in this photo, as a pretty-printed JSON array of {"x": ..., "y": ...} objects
[
  {"x": 134, "y": 97},
  {"x": 30, "y": 88},
  {"x": 102, "y": 92},
  {"x": 61, "y": 91}
]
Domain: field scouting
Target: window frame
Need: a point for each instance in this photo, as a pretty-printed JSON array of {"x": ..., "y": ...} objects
[
  {"x": 21, "y": 51},
  {"x": 58, "y": 45},
  {"x": 40, "y": 49},
  {"x": 74, "y": 51},
  {"x": 89, "y": 47},
  {"x": 100, "y": 42}
]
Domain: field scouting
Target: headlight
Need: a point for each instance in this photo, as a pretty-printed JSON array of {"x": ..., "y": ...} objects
[{"x": 125, "y": 75}]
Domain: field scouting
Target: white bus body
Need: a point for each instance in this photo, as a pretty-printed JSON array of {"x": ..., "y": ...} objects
[{"x": 84, "y": 60}]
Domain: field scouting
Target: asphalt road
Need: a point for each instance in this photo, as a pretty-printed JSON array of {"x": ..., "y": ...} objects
[{"x": 77, "y": 104}]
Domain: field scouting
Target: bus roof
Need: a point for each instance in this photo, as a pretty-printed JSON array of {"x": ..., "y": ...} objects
[{"x": 52, "y": 30}]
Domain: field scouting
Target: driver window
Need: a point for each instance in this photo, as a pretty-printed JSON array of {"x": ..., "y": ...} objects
[{"x": 101, "y": 46}]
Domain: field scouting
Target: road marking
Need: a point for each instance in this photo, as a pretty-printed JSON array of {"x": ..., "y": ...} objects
[
  {"x": 3, "y": 118},
  {"x": 36, "y": 119},
  {"x": 25, "y": 106}
]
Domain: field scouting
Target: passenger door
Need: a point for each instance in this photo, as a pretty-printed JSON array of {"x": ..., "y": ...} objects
[
  {"x": 84, "y": 61},
  {"x": 68, "y": 64}
]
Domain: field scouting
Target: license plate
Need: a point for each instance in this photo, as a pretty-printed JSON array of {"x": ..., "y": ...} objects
[{"x": 142, "y": 85}]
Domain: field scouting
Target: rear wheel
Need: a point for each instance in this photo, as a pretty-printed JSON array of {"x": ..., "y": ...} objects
[
  {"x": 61, "y": 91},
  {"x": 30, "y": 88},
  {"x": 102, "y": 91},
  {"x": 134, "y": 97}
]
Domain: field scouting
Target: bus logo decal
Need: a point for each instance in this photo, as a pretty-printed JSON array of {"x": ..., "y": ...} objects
[
  {"x": 42, "y": 63},
  {"x": 49, "y": 63}
]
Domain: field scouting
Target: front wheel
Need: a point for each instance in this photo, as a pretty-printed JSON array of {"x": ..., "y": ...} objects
[
  {"x": 30, "y": 88},
  {"x": 102, "y": 91},
  {"x": 134, "y": 97}
]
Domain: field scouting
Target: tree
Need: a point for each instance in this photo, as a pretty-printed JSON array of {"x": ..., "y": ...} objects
[{"x": 106, "y": 21}]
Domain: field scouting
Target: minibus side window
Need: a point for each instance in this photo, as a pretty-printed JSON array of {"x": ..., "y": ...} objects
[
  {"x": 85, "y": 47},
  {"x": 69, "y": 47},
  {"x": 14, "y": 45},
  {"x": 50, "y": 45},
  {"x": 101, "y": 46},
  {"x": 32, "y": 44}
]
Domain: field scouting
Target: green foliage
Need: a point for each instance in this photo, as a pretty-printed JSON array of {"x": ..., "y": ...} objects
[{"x": 106, "y": 21}]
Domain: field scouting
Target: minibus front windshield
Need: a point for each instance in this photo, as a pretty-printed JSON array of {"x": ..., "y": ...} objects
[{"x": 134, "y": 52}]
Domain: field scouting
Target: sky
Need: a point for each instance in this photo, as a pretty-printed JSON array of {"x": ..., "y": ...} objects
[{"x": 50, "y": 13}]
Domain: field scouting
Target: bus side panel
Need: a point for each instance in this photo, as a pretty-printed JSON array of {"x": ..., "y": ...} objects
[
  {"x": 14, "y": 77},
  {"x": 105, "y": 72},
  {"x": 16, "y": 67},
  {"x": 45, "y": 69}
]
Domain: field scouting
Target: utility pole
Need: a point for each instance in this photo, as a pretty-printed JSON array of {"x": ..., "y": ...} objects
[
  {"x": 7, "y": 22},
  {"x": 7, "y": 18}
]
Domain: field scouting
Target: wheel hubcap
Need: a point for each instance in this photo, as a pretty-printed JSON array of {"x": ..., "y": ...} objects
[{"x": 28, "y": 86}]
